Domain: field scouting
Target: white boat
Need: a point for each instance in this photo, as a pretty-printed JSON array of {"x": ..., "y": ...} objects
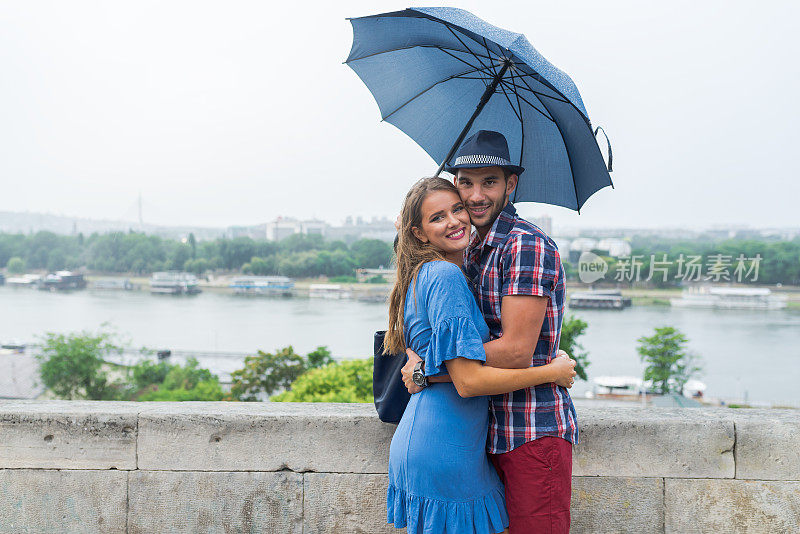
[
  {"x": 26, "y": 280},
  {"x": 113, "y": 284},
  {"x": 174, "y": 283},
  {"x": 729, "y": 298},
  {"x": 262, "y": 285},
  {"x": 616, "y": 387},
  {"x": 631, "y": 387},
  {"x": 329, "y": 291},
  {"x": 603, "y": 299}
]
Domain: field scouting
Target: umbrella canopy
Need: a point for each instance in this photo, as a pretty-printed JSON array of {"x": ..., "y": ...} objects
[{"x": 440, "y": 74}]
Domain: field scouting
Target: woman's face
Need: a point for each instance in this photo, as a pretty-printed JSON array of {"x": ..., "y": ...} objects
[{"x": 445, "y": 223}]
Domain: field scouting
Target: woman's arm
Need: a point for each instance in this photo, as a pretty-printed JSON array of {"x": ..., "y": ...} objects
[
  {"x": 413, "y": 358},
  {"x": 471, "y": 378}
]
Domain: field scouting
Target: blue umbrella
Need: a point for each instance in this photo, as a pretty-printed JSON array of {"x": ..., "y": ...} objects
[{"x": 440, "y": 74}]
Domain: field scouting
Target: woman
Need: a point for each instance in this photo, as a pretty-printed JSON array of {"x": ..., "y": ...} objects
[{"x": 440, "y": 479}]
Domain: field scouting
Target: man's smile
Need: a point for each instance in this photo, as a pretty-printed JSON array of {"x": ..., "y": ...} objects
[{"x": 478, "y": 211}]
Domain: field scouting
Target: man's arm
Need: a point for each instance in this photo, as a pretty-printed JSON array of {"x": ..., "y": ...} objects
[{"x": 522, "y": 320}]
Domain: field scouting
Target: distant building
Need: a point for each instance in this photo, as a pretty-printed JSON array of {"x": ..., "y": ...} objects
[
  {"x": 545, "y": 222},
  {"x": 615, "y": 247},
  {"x": 390, "y": 275},
  {"x": 283, "y": 227},
  {"x": 563, "y": 246},
  {"x": 357, "y": 228}
]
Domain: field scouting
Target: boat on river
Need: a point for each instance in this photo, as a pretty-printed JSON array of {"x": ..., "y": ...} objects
[
  {"x": 606, "y": 299},
  {"x": 26, "y": 280},
  {"x": 329, "y": 291},
  {"x": 61, "y": 281},
  {"x": 174, "y": 283},
  {"x": 729, "y": 298},
  {"x": 263, "y": 285},
  {"x": 113, "y": 284}
]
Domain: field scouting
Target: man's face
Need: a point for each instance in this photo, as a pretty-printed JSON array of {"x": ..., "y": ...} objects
[{"x": 485, "y": 193}]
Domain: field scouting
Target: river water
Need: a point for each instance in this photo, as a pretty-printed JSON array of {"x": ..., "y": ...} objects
[{"x": 752, "y": 355}]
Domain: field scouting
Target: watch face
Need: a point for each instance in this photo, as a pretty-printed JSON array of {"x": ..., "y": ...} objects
[{"x": 418, "y": 378}]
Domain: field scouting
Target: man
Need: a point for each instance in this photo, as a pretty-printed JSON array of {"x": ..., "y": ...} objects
[{"x": 518, "y": 279}]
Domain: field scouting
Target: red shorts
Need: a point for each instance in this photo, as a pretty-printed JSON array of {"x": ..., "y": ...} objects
[{"x": 538, "y": 481}]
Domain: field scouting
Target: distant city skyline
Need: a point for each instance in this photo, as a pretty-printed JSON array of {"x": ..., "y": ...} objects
[{"x": 377, "y": 226}]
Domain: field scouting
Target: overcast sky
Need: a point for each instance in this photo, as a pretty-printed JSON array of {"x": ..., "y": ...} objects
[{"x": 225, "y": 113}]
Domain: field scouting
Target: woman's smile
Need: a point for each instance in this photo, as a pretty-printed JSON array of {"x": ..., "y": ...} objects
[{"x": 457, "y": 234}]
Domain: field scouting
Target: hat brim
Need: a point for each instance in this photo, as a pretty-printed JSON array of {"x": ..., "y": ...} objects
[{"x": 516, "y": 169}]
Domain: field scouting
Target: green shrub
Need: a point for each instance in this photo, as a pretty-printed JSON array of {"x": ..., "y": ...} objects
[{"x": 347, "y": 381}]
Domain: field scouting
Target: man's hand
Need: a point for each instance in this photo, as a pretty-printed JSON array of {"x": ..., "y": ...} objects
[
  {"x": 564, "y": 368},
  {"x": 408, "y": 370}
]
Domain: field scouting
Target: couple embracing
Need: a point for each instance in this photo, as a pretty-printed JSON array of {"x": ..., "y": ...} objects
[{"x": 479, "y": 315}]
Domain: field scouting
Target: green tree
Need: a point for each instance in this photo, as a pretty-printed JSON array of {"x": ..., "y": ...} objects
[
  {"x": 198, "y": 266},
  {"x": 16, "y": 265},
  {"x": 669, "y": 364},
  {"x": 189, "y": 382},
  {"x": 347, "y": 381},
  {"x": 571, "y": 329},
  {"x": 192, "y": 243},
  {"x": 73, "y": 366},
  {"x": 371, "y": 253},
  {"x": 265, "y": 373}
]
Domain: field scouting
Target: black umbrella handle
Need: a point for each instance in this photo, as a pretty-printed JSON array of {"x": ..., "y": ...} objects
[{"x": 487, "y": 94}]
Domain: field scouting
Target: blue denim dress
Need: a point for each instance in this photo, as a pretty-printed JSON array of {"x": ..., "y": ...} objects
[{"x": 440, "y": 479}]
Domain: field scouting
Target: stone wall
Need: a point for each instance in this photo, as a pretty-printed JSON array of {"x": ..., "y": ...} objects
[{"x": 320, "y": 468}]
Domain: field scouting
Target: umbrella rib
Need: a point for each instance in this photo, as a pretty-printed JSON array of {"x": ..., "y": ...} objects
[
  {"x": 545, "y": 115},
  {"x": 428, "y": 89},
  {"x": 569, "y": 161},
  {"x": 522, "y": 141},
  {"x": 565, "y": 101},
  {"x": 502, "y": 87},
  {"x": 538, "y": 93},
  {"x": 489, "y": 52},
  {"x": 484, "y": 78},
  {"x": 465, "y": 45},
  {"x": 456, "y": 57},
  {"x": 443, "y": 48}
]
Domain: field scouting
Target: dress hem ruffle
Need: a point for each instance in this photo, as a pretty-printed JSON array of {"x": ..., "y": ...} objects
[{"x": 482, "y": 515}]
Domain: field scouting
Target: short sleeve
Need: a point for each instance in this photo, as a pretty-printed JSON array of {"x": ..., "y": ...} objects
[
  {"x": 531, "y": 266},
  {"x": 450, "y": 304}
]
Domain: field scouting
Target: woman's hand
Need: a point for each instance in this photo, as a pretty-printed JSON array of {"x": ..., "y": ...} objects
[{"x": 564, "y": 370}]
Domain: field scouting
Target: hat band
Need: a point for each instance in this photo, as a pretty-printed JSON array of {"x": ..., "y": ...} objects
[{"x": 489, "y": 161}]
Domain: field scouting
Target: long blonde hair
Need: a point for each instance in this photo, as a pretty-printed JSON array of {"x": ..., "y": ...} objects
[{"x": 411, "y": 255}]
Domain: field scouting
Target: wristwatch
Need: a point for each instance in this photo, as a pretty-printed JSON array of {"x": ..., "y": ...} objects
[{"x": 418, "y": 375}]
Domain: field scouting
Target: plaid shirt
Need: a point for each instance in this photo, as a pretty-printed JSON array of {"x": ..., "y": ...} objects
[{"x": 517, "y": 258}]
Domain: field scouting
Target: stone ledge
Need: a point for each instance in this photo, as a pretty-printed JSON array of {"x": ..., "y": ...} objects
[
  {"x": 215, "y": 502},
  {"x": 652, "y": 442},
  {"x": 619, "y": 504},
  {"x": 731, "y": 506},
  {"x": 67, "y": 435},
  {"x": 768, "y": 445},
  {"x": 39, "y": 500},
  {"x": 264, "y": 437}
]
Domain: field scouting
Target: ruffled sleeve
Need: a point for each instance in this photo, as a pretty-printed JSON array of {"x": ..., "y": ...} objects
[{"x": 450, "y": 305}]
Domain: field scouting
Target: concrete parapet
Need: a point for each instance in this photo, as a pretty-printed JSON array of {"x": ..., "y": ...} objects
[
  {"x": 45, "y": 500},
  {"x": 706, "y": 505},
  {"x": 647, "y": 442},
  {"x": 169, "y": 501},
  {"x": 318, "y": 468}
]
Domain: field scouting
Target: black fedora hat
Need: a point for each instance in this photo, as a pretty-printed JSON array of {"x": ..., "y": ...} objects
[{"x": 484, "y": 148}]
